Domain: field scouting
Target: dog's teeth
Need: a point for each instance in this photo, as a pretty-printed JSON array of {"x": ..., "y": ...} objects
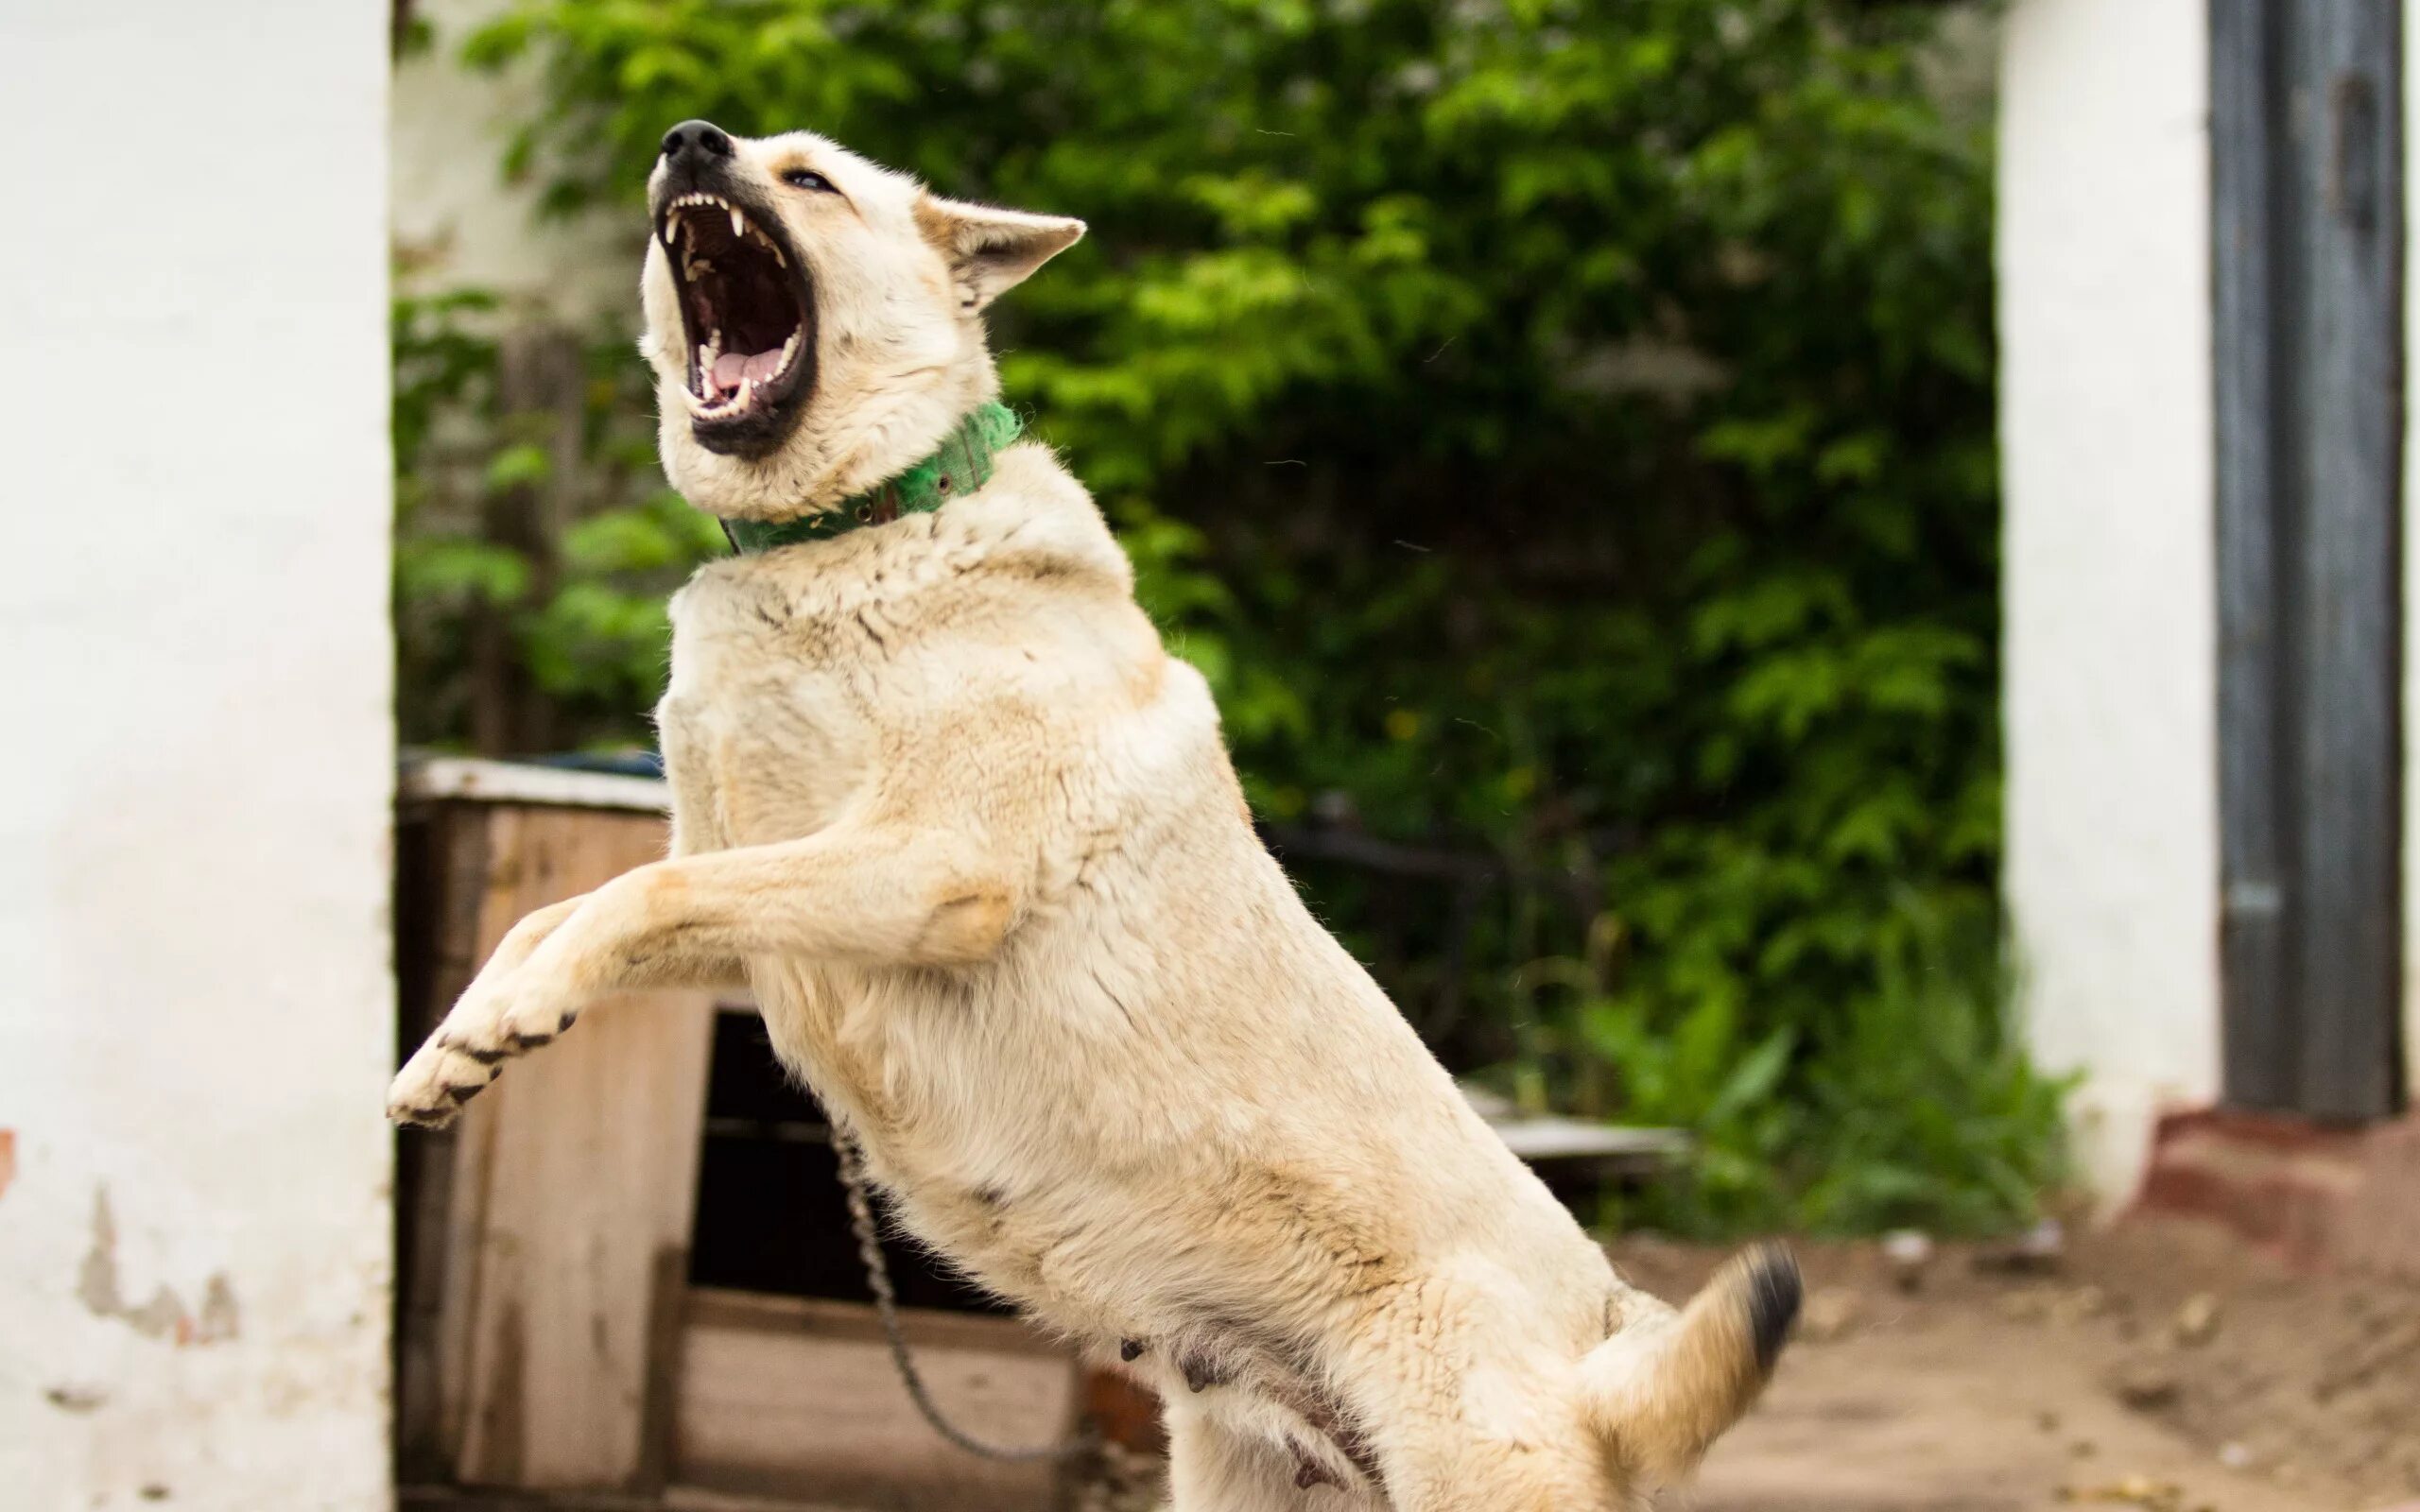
[
  {"x": 771, "y": 246},
  {"x": 738, "y": 222},
  {"x": 672, "y": 228},
  {"x": 746, "y": 393},
  {"x": 790, "y": 350}
]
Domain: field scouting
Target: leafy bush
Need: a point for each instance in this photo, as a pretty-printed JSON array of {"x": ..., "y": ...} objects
[
  {"x": 1563, "y": 432},
  {"x": 535, "y": 540}
]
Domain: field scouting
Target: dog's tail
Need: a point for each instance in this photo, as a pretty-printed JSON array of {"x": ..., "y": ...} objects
[{"x": 1664, "y": 1388}]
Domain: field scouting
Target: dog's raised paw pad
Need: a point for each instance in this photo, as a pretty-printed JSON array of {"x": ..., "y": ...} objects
[
  {"x": 485, "y": 1058},
  {"x": 463, "y": 1092},
  {"x": 528, "y": 1041}
]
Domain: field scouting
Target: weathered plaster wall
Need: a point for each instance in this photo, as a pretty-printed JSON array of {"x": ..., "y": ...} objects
[
  {"x": 2105, "y": 323},
  {"x": 196, "y": 1016},
  {"x": 459, "y": 224}
]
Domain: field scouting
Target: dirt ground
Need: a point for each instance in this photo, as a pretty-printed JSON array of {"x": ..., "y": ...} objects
[{"x": 2156, "y": 1367}]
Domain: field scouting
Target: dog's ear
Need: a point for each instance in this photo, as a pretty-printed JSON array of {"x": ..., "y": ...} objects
[
  {"x": 1664, "y": 1388},
  {"x": 991, "y": 252}
]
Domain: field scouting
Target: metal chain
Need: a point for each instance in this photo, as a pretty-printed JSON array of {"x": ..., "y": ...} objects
[{"x": 886, "y": 1302}]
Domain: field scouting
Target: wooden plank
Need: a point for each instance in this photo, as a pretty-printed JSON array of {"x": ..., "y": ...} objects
[
  {"x": 1605, "y": 1148},
  {"x": 2346, "y": 73},
  {"x": 2308, "y": 236},
  {"x": 2256, "y": 1003},
  {"x": 468, "y": 779},
  {"x": 484, "y": 909},
  {"x": 782, "y": 1395},
  {"x": 818, "y": 1318},
  {"x": 422, "y": 1497},
  {"x": 574, "y": 1182},
  {"x": 440, "y": 856}
]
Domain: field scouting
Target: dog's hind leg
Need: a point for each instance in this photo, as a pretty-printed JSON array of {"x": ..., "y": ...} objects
[
  {"x": 872, "y": 894},
  {"x": 1214, "y": 1469}
]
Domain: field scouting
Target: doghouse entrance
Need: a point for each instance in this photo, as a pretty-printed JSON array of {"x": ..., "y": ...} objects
[{"x": 771, "y": 1216}]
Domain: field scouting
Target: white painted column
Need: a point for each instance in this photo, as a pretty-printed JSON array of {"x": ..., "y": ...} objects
[
  {"x": 196, "y": 1006},
  {"x": 2111, "y": 627}
]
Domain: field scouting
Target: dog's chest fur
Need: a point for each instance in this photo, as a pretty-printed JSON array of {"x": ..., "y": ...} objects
[{"x": 995, "y": 643}]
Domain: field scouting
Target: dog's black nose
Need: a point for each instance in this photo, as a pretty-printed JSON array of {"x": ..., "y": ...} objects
[{"x": 696, "y": 142}]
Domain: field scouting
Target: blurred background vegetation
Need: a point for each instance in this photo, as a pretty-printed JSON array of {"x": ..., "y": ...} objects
[{"x": 1563, "y": 432}]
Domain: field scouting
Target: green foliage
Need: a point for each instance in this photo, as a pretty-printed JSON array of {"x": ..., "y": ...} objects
[
  {"x": 1918, "y": 1110},
  {"x": 1562, "y": 434},
  {"x": 534, "y": 546}
]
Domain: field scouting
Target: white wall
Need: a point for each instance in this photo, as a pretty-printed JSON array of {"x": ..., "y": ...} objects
[
  {"x": 196, "y": 1011},
  {"x": 459, "y": 223},
  {"x": 2106, "y": 425}
]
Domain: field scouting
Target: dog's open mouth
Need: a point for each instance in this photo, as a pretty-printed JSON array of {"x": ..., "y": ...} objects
[{"x": 748, "y": 315}]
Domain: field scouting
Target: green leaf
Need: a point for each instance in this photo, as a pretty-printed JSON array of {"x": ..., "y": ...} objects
[{"x": 519, "y": 466}]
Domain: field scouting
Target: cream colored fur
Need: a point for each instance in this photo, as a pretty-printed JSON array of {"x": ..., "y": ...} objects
[{"x": 972, "y": 835}]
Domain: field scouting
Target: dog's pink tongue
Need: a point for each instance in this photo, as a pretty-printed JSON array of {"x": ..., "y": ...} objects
[{"x": 732, "y": 367}]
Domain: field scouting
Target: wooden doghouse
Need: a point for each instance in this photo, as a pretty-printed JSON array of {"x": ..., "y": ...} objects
[
  {"x": 627, "y": 1277},
  {"x": 628, "y": 1267}
]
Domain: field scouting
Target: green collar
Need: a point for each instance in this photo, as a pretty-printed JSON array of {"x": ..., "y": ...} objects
[{"x": 961, "y": 464}]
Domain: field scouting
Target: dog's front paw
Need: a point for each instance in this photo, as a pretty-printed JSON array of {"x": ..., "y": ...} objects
[
  {"x": 487, "y": 1028},
  {"x": 435, "y": 1083}
]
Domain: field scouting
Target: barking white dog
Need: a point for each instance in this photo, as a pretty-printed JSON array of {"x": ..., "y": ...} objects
[{"x": 969, "y": 831}]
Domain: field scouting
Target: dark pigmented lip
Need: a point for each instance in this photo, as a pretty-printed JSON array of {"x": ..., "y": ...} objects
[{"x": 744, "y": 274}]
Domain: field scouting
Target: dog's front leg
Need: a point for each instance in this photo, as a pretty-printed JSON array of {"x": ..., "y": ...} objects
[
  {"x": 671, "y": 969},
  {"x": 873, "y": 895}
]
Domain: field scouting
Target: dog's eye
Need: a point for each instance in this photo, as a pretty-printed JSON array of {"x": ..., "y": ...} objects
[{"x": 808, "y": 179}]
